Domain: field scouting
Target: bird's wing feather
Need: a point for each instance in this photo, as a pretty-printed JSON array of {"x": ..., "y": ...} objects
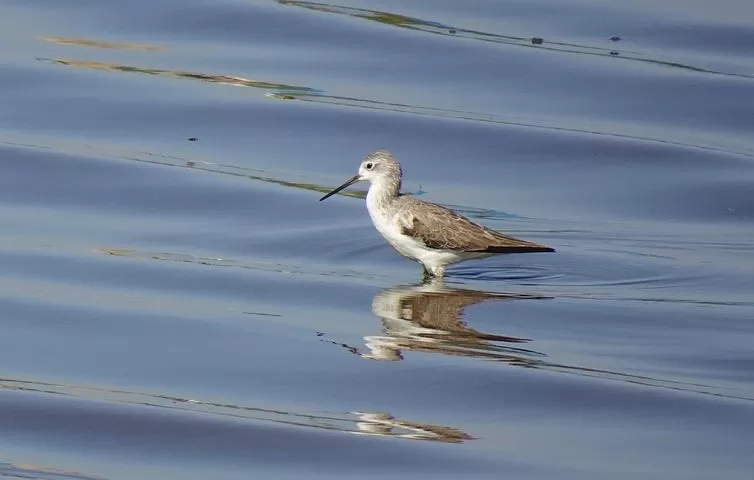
[{"x": 440, "y": 228}]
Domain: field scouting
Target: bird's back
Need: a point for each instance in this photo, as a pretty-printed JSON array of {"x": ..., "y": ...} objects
[{"x": 441, "y": 228}]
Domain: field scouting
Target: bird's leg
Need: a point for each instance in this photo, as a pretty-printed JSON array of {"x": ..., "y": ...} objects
[
  {"x": 431, "y": 273},
  {"x": 438, "y": 271},
  {"x": 426, "y": 274}
]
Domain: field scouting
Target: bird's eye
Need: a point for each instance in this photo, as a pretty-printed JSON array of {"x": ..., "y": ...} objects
[{"x": 369, "y": 165}]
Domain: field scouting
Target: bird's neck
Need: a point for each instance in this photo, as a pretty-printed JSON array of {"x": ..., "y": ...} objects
[{"x": 382, "y": 192}]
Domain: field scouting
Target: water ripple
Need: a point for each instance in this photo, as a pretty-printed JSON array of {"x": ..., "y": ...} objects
[
  {"x": 83, "y": 42},
  {"x": 437, "y": 28},
  {"x": 15, "y": 470},
  {"x": 429, "y": 318},
  {"x": 363, "y": 423}
]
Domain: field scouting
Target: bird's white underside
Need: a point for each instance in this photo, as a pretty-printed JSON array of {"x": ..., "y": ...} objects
[{"x": 390, "y": 223}]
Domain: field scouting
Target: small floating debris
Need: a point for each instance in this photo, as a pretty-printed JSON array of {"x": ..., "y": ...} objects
[
  {"x": 451, "y": 31},
  {"x": 537, "y": 40},
  {"x": 193, "y": 139},
  {"x": 615, "y": 38},
  {"x": 614, "y": 53}
]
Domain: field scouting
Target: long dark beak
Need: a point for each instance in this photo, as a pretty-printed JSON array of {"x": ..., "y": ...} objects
[{"x": 350, "y": 181}]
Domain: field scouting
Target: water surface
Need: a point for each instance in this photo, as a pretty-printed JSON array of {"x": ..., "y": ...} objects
[{"x": 176, "y": 303}]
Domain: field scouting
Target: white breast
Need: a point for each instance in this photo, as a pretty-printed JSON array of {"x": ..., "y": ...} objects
[
  {"x": 390, "y": 227},
  {"x": 390, "y": 223}
]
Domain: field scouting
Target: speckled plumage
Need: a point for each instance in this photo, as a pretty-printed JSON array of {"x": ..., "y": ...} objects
[{"x": 425, "y": 232}]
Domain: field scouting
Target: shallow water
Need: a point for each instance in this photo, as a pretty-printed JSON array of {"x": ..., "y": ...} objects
[{"x": 176, "y": 303}]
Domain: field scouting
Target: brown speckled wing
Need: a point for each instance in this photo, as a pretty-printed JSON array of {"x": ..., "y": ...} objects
[{"x": 440, "y": 228}]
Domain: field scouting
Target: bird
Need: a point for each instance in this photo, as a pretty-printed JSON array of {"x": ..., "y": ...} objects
[{"x": 425, "y": 232}]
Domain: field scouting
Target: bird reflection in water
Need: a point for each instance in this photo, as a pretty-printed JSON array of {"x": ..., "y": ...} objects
[
  {"x": 385, "y": 425},
  {"x": 428, "y": 317}
]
